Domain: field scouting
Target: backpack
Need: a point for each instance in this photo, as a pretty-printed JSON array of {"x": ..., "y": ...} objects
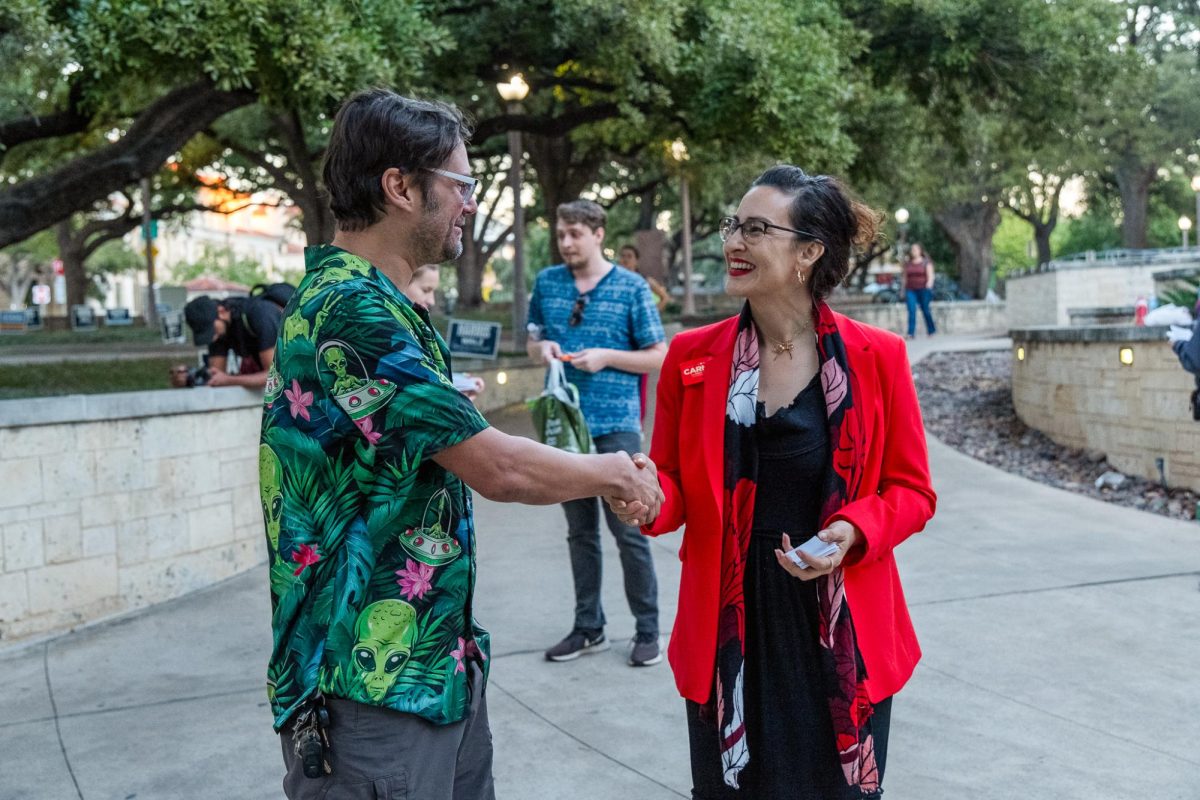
[{"x": 277, "y": 293}]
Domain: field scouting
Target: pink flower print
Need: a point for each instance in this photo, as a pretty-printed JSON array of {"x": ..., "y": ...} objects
[
  {"x": 368, "y": 430},
  {"x": 299, "y": 401},
  {"x": 415, "y": 580},
  {"x": 473, "y": 650},
  {"x": 305, "y": 555},
  {"x": 458, "y": 655}
]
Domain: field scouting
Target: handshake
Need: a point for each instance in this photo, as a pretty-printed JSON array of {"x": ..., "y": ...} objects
[{"x": 640, "y": 498}]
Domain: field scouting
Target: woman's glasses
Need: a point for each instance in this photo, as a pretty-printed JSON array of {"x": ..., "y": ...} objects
[
  {"x": 577, "y": 311},
  {"x": 753, "y": 230}
]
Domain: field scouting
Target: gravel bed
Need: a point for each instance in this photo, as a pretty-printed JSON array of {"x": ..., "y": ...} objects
[{"x": 966, "y": 399}]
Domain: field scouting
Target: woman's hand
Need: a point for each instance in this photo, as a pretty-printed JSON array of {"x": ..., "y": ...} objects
[
  {"x": 839, "y": 532},
  {"x": 634, "y": 513}
]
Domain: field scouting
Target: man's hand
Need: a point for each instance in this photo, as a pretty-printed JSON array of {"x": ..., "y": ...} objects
[
  {"x": 218, "y": 377},
  {"x": 548, "y": 351},
  {"x": 839, "y": 532},
  {"x": 591, "y": 359},
  {"x": 637, "y": 511}
]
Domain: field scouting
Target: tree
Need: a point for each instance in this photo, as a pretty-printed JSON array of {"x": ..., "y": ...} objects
[
  {"x": 131, "y": 83},
  {"x": 1150, "y": 112}
]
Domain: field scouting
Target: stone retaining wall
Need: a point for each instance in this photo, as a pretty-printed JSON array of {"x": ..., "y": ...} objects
[
  {"x": 1045, "y": 298},
  {"x": 114, "y": 502},
  {"x": 1073, "y": 387},
  {"x": 959, "y": 317}
]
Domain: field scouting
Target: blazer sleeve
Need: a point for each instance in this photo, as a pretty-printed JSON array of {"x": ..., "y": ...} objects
[
  {"x": 905, "y": 500},
  {"x": 664, "y": 445}
]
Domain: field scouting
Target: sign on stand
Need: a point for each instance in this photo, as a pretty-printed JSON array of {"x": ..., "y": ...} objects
[
  {"x": 472, "y": 339},
  {"x": 13, "y": 321},
  {"x": 33, "y": 318},
  {"x": 117, "y": 317},
  {"x": 172, "y": 328},
  {"x": 83, "y": 319}
]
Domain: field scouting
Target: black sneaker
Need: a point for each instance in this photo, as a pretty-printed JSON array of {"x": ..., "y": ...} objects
[
  {"x": 645, "y": 651},
  {"x": 577, "y": 643}
]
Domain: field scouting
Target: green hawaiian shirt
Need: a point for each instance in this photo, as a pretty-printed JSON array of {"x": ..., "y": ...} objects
[{"x": 371, "y": 543}]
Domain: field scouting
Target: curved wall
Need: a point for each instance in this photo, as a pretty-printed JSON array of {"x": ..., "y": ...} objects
[
  {"x": 1073, "y": 387},
  {"x": 113, "y": 502}
]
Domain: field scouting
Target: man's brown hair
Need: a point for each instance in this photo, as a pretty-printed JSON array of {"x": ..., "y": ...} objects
[{"x": 583, "y": 212}]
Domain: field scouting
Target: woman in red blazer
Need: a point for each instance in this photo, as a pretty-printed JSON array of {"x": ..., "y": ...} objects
[{"x": 786, "y": 421}]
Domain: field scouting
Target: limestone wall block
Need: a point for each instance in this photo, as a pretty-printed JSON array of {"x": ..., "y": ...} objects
[
  {"x": 75, "y": 585},
  {"x": 21, "y": 479},
  {"x": 63, "y": 538},
  {"x": 14, "y": 597},
  {"x": 23, "y": 545},
  {"x": 99, "y": 541}
]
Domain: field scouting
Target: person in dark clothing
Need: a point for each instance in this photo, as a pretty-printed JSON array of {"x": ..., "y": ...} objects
[{"x": 247, "y": 326}]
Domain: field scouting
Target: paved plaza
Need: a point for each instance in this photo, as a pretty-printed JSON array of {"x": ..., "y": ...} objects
[{"x": 1061, "y": 639}]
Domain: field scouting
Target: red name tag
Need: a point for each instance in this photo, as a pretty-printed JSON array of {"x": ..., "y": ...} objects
[{"x": 693, "y": 371}]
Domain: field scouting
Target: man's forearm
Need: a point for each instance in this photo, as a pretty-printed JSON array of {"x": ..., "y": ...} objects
[
  {"x": 255, "y": 380},
  {"x": 541, "y": 475},
  {"x": 639, "y": 361}
]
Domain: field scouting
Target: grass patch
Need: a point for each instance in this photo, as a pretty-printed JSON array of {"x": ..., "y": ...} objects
[
  {"x": 91, "y": 377},
  {"x": 102, "y": 336}
]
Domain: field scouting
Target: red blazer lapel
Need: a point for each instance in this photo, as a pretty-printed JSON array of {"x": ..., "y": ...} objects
[{"x": 716, "y": 396}]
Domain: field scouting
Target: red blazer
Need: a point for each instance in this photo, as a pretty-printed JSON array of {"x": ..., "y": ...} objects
[{"x": 896, "y": 497}]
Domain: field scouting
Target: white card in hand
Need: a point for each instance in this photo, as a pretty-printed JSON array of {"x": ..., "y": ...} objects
[{"x": 815, "y": 548}]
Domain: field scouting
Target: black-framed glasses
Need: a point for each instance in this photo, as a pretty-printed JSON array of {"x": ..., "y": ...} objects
[
  {"x": 577, "y": 311},
  {"x": 466, "y": 184},
  {"x": 754, "y": 229}
]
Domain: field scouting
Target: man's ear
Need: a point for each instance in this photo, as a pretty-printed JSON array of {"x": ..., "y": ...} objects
[{"x": 399, "y": 188}]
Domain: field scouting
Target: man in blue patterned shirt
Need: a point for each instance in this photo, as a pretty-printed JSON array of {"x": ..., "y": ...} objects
[{"x": 602, "y": 321}]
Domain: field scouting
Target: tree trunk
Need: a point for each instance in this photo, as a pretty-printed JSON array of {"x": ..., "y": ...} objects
[
  {"x": 1134, "y": 180},
  {"x": 970, "y": 228},
  {"x": 1041, "y": 235},
  {"x": 560, "y": 178},
  {"x": 316, "y": 217},
  {"x": 470, "y": 275},
  {"x": 72, "y": 252},
  {"x": 159, "y": 131}
]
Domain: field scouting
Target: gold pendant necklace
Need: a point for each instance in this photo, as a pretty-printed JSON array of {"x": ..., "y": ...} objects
[{"x": 781, "y": 347}]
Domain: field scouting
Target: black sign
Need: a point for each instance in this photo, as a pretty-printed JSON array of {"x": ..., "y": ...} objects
[
  {"x": 471, "y": 339},
  {"x": 114, "y": 317},
  {"x": 172, "y": 327},
  {"x": 12, "y": 321},
  {"x": 83, "y": 318},
  {"x": 33, "y": 318}
]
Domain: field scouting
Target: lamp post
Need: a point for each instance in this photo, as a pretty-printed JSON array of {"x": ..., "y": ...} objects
[
  {"x": 1185, "y": 225},
  {"x": 1196, "y": 189},
  {"x": 679, "y": 152},
  {"x": 902, "y": 222},
  {"x": 512, "y": 93}
]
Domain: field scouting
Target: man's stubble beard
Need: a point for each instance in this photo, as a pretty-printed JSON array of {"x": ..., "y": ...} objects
[{"x": 430, "y": 239}]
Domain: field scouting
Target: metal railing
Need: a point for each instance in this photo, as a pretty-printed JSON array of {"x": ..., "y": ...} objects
[{"x": 1166, "y": 257}]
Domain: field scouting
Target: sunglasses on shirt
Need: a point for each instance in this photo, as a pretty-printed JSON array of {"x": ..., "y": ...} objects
[{"x": 577, "y": 311}]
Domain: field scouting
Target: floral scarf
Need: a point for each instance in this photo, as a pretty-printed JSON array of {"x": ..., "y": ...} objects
[{"x": 840, "y": 668}]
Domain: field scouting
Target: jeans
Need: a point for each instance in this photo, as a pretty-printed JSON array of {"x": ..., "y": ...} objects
[
  {"x": 583, "y": 540},
  {"x": 921, "y": 297}
]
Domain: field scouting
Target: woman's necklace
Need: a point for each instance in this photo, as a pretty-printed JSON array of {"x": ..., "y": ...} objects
[{"x": 781, "y": 346}]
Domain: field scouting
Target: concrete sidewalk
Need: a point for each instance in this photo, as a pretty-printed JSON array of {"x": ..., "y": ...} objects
[{"x": 1061, "y": 661}]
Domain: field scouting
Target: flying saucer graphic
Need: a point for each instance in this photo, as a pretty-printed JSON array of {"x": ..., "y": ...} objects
[{"x": 359, "y": 395}]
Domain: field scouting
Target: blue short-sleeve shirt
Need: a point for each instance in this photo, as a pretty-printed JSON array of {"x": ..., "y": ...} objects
[{"x": 618, "y": 313}]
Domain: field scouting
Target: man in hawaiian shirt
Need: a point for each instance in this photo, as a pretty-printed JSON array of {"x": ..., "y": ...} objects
[{"x": 377, "y": 675}]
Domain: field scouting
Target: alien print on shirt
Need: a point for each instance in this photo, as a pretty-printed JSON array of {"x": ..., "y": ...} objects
[{"x": 372, "y": 543}]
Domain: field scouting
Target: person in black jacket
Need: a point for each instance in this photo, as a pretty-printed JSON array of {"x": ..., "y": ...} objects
[{"x": 246, "y": 326}]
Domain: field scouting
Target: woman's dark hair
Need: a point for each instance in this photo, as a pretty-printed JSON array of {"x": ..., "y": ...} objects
[
  {"x": 825, "y": 208},
  {"x": 631, "y": 249},
  {"x": 376, "y": 130}
]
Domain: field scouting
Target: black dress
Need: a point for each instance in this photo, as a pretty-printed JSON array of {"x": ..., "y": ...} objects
[{"x": 788, "y": 725}]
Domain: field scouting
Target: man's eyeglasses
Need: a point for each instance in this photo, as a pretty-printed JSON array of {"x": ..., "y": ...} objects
[
  {"x": 577, "y": 311},
  {"x": 466, "y": 184},
  {"x": 753, "y": 230}
]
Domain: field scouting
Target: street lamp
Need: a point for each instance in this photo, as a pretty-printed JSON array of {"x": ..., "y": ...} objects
[
  {"x": 512, "y": 93},
  {"x": 1196, "y": 189},
  {"x": 1185, "y": 225},
  {"x": 902, "y": 221},
  {"x": 679, "y": 152}
]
